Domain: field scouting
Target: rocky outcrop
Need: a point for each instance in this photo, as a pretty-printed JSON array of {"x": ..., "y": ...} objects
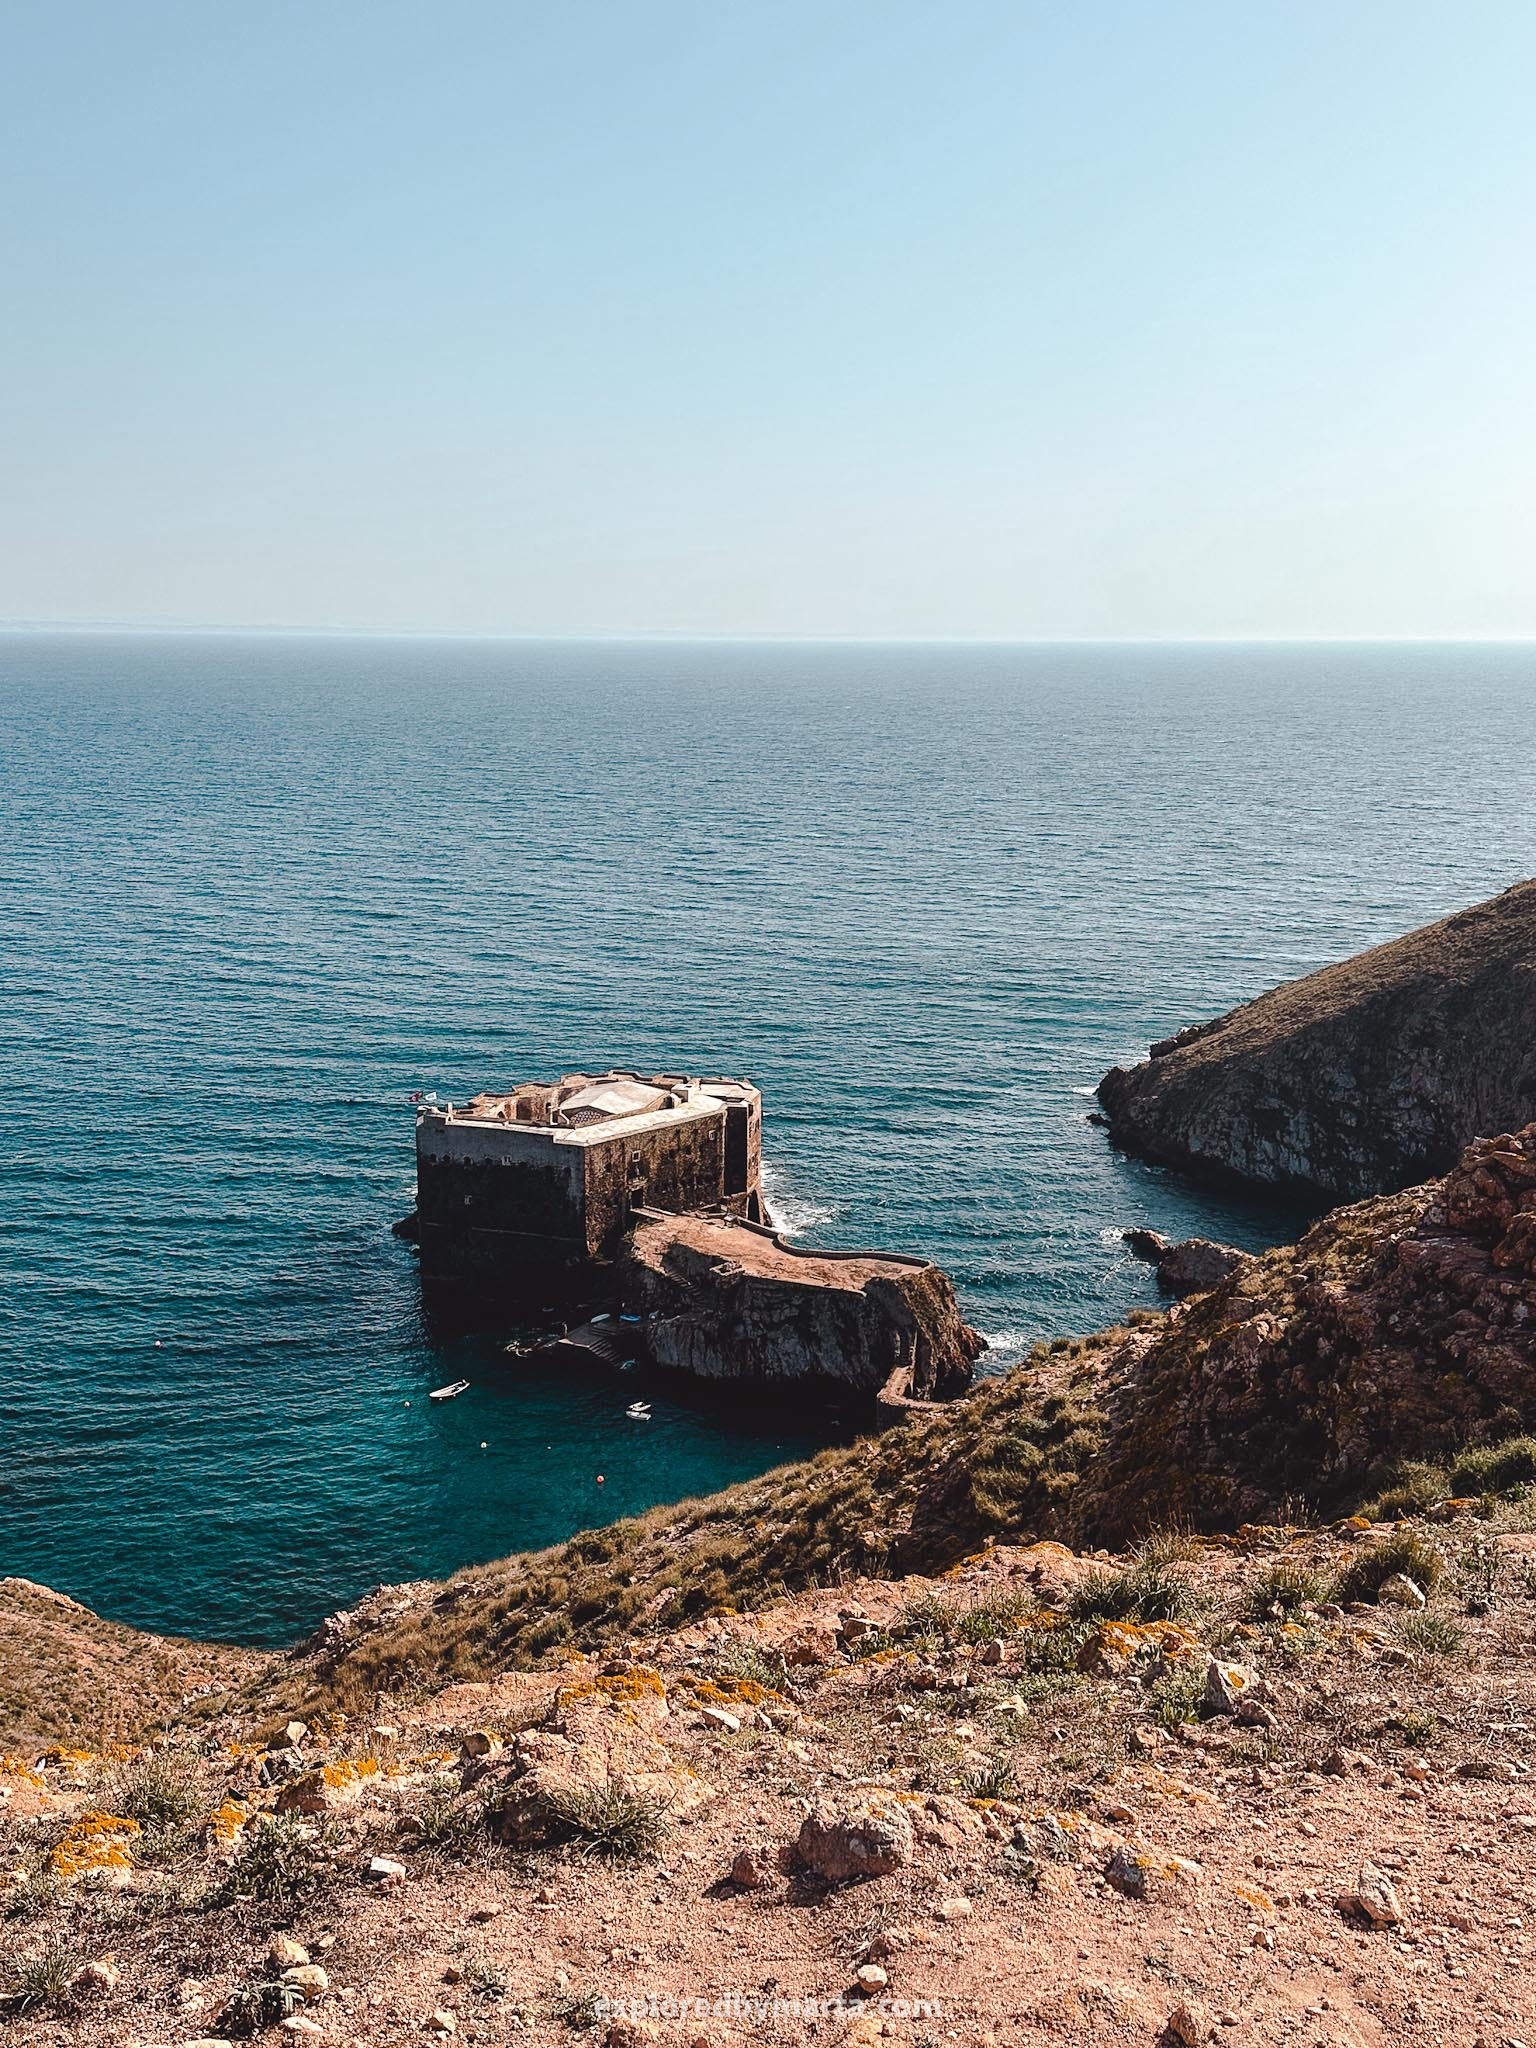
[
  {"x": 1403, "y": 1327},
  {"x": 731, "y": 1301},
  {"x": 1191, "y": 1267},
  {"x": 1356, "y": 1080}
]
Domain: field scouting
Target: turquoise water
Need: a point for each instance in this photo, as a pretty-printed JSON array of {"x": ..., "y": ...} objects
[{"x": 258, "y": 890}]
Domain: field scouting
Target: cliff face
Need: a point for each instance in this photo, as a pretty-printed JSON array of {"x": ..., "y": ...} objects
[
  {"x": 725, "y": 1301},
  {"x": 1359, "y": 1079}
]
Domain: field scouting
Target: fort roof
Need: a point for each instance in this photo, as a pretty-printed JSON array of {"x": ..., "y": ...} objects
[{"x": 598, "y": 1103}]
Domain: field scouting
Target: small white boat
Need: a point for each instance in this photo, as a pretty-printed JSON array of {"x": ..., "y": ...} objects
[
  {"x": 639, "y": 1411},
  {"x": 449, "y": 1393}
]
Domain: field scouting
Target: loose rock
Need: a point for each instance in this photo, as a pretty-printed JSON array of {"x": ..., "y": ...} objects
[
  {"x": 869, "y": 1839},
  {"x": 1376, "y": 1897},
  {"x": 1227, "y": 1686},
  {"x": 1401, "y": 1591},
  {"x": 753, "y": 1869},
  {"x": 1189, "y": 2024},
  {"x": 97, "y": 1979}
]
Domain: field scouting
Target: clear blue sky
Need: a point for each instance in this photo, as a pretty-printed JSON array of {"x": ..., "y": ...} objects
[{"x": 885, "y": 317}]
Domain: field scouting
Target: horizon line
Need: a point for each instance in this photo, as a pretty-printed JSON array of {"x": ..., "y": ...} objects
[{"x": 659, "y": 636}]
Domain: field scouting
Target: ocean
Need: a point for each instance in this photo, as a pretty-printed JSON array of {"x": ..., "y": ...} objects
[{"x": 258, "y": 890}]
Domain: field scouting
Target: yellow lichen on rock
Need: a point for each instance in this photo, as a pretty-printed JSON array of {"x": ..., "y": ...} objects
[
  {"x": 229, "y": 1822},
  {"x": 97, "y": 1844},
  {"x": 639, "y": 1682},
  {"x": 1116, "y": 1645}
]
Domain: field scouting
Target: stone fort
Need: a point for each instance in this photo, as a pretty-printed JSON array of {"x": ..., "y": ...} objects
[{"x": 544, "y": 1181}]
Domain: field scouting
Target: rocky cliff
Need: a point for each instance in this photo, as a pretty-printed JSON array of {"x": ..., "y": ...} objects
[
  {"x": 1400, "y": 1328},
  {"x": 726, "y": 1300},
  {"x": 1356, "y": 1080}
]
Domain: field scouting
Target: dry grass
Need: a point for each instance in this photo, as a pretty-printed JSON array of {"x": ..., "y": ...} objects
[
  {"x": 1405, "y": 1550},
  {"x": 68, "y": 1675}
]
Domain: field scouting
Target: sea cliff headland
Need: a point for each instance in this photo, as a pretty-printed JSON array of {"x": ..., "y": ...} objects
[{"x": 1359, "y": 1079}]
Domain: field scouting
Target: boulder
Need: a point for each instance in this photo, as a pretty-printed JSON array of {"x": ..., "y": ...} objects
[
  {"x": 1228, "y": 1687},
  {"x": 866, "y": 1837},
  {"x": 1192, "y": 1267}
]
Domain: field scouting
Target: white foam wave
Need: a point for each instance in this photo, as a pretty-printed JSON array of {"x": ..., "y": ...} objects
[
  {"x": 791, "y": 1214},
  {"x": 1004, "y": 1346}
]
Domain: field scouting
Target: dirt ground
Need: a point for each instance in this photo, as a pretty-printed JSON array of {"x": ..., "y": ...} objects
[{"x": 1087, "y": 1848}]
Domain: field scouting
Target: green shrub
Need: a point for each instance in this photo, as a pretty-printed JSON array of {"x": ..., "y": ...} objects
[
  {"x": 992, "y": 1777},
  {"x": 1409, "y": 1489},
  {"x": 40, "y": 1979},
  {"x": 737, "y": 1658},
  {"x": 616, "y": 1822},
  {"x": 1167, "y": 1546},
  {"x": 279, "y": 1861},
  {"x": 1430, "y": 1635},
  {"x": 1496, "y": 1468},
  {"x": 164, "y": 1792},
  {"x": 252, "y": 2008},
  {"x": 34, "y": 1895},
  {"x": 578, "y": 2010},
  {"x": 925, "y": 1620},
  {"x": 1143, "y": 1590},
  {"x": 1047, "y": 1652},
  {"x": 1285, "y": 1586},
  {"x": 1417, "y": 1729},
  {"x": 1405, "y": 1550},
  {"x": 484, "y": 1979},
  {"x": 1175, "y": 1697},
  {"x": 994, "y": 1614},
  {"x": 446, "y": 1825}
]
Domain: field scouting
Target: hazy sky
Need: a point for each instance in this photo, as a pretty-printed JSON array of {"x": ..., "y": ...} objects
[{"x": 979, "y": 317}]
